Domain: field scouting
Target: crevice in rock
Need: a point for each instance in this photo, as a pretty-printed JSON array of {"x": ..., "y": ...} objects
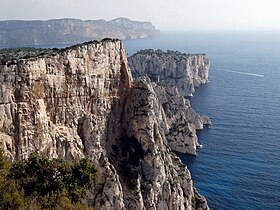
[{"x": 80, "y": 131}]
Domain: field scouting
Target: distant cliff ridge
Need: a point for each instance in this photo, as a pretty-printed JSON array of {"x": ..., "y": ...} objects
[{"x": 61, "y": 31}]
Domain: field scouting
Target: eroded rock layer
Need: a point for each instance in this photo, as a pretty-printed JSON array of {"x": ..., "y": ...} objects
[
  {"x": 81, "y": 101},
  {"x": 174, "y": 76},
  {"x": 172, "y": 68}
]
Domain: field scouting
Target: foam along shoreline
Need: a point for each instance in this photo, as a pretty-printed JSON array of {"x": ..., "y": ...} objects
[{"x": 246, "y": 73}]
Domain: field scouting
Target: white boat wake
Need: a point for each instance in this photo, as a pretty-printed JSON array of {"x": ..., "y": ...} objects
[{"x": 246, "y": 73}]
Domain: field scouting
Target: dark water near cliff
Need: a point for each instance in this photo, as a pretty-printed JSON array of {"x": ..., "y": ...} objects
[{"x": 239, "y": 164}]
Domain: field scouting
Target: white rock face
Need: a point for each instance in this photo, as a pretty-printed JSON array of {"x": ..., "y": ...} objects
[
  {"x": 163, "y": 184},
  {"x": 175, "y": 75},
  {"x": 81, "y": 101},
  {"x": 172, "y": 68},
  {"x": 59, "y": 104}
]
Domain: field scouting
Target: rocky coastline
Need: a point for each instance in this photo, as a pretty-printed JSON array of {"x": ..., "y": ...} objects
[
  {"x": 175, "y": 76},
  {"x": 82, "y": 101}
]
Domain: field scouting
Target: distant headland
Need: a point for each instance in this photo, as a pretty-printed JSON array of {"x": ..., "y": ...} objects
[{"x": 17, "y": 33}]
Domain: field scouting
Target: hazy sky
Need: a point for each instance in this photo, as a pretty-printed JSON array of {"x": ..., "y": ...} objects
[{"x": 166, "y": 15}]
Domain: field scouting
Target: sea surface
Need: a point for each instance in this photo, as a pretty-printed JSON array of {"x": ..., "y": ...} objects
[{"x": 238, "y": 166}]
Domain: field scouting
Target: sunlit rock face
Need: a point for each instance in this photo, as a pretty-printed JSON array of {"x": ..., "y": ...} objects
[
  {"x": 172, "y": 69},
  {"x": 175, "y": 76}
]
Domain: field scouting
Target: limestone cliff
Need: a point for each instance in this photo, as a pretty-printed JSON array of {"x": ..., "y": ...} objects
[
  {"x": 172, "y": 68},
  {"x": 174, "y": 76},
  {"x": 81, "y": 101},
  {"x": 63, "y": 31}
]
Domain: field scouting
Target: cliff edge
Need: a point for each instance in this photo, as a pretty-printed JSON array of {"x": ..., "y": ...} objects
[{"x": 82, "y": 101}]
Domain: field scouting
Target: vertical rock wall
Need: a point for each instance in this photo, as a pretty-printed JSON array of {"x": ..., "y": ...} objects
[
  {"x": 172, "y": 69},
  {"x": 175, "y": 76}
]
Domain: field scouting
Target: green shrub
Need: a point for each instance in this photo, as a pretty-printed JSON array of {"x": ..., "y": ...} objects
[{"x": 41, "y": 183}]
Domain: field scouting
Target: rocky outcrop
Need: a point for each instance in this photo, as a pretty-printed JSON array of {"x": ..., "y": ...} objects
[
  {"x": 174, "y": 76},
  {"x": 181, "y": 120},
  {"x": 172, "y": 68},
  {"x": 62, "y": 31},
  {"x": 81, "y": 101}
]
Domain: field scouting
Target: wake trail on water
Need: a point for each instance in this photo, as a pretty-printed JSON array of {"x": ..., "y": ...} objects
[{"x": 246, "y": 73}]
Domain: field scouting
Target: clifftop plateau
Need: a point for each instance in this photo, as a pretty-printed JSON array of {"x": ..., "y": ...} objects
[
  {"x": 62, "y": 31},
  {"x": 82, "y": 101},
  {"x": 172, "y": 68}
]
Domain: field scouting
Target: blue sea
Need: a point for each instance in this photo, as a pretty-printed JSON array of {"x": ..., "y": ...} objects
[{"x": 238, "y": 166}]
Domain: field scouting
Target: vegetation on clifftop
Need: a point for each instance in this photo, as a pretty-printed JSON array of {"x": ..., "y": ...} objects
[
  {"x": 164, "y": 53},
  {"x": 11, "y": 56},
  {"x": 40, "y": 183}
]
